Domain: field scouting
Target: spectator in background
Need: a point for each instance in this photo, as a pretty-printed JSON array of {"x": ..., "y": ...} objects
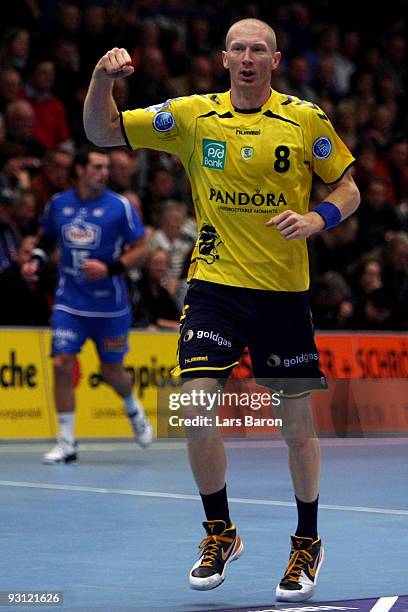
[
  {"x": 200, "y": 78},
  {"x": 122, "y": 169},
  {"x": 337, "y": 248},
  {"x": 160, "y": 187},
  {"x": 376, "y": 215},
  {"x": 346, "y": 124},
  {"x": 54, "y": 176},
  {"x": 369, "y": 165},
  {"x": 362, "y": 89},
  {"x": 28, "y": 302},
  {"x": 67, "y": 63},
  {"x": 16, "y": 168},
  {"x": 395, "y": 59},
  {"x": 20, "y": 128},
  {"x": 199, "y": 35},
  {"x": 152, "y": 305},
  {"x": 149, "y": 83},
  {"x": 9, "y": 237},
  {"x": 325, "y": 81},
  {"x": 177, "y": 56},
  {"x": 10, "y": 87},
  {"x": 15, "y": 50},
  {"x": 51, "y": 126},
  {"x": 396, "y": 168},
  {"x": 94, "y": 35},
  {"x": 382, "y": 125},
  {"x": 331, "y": 302},
  {"x": 329, "y": 68},
  {"x": 365, "y": 279},
  {"x": 148, "y": 35},
  {"x": 376, "y": 312},
  {"x": 387, "y": 94},
  {"x": 394, "y": 259},
  {"x": 169, "y": 238},
  {"x": 298, "y": 80},
  {"x": 25, "y": 213},
  {"x": 68, "y": 21}
]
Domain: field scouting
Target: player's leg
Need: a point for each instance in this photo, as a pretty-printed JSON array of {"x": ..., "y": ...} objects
[
  {"x": 111, "y": 343},
  {"x": 115, "y": 375},
  {"x": 209, "y": 347},
  {"x": 286, "y": 360},
  {"x": 300, "y": 577},
  {"x": 68, "y": 335},
  {"x": 222, "y": 544}
]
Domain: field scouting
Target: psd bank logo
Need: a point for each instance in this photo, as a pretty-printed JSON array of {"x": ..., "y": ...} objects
[{"x": 214, "y": 152}]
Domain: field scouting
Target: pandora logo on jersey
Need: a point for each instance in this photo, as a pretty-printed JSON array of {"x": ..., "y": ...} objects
[
  {"x": 81, "y": 235},
  {"x": 243, "y": 199},
  {"x": 210, "y": 335}
]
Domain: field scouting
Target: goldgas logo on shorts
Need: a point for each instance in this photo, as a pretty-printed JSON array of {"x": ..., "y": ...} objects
[
  {"x": 322, "y": 147},
  {"x": 214, "y": 152},
  {"x": 164, "y": 121}
]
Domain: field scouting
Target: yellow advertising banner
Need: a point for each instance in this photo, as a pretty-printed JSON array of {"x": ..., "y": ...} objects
[
  {"x": 25, "y": 386},
  {"x": 371, "y": 398}
]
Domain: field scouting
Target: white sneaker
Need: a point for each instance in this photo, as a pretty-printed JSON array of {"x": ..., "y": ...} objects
[
  {"x": 62, "y": 452},
  {"x": 300, "y": 578},
  {"x": 142, "y": 429}
]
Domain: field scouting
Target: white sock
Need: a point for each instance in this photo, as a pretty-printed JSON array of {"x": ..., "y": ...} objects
[
  {"x": 133, "y": 406},
  {"x": 66, "y": 425}
]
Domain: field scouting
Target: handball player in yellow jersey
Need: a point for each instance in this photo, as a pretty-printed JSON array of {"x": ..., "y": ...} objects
[{"x": 250, "y": 154}]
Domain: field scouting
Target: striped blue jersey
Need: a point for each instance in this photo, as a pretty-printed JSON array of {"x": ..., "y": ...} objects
[{"x": 90, "y": 229}]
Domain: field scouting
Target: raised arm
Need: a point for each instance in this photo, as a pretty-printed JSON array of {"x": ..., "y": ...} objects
[
  {"x": 101, "y": 115},
  {"x": 343, "y": 200}
]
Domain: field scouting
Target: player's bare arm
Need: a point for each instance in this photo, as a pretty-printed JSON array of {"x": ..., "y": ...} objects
[
  {"x": 95, "y": 269},
  {"x": 101, "y": 115},
  {"x": 292, "y": 225}
]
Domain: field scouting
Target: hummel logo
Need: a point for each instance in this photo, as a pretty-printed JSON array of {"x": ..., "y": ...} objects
[
  {"x": 312, "y": 569},
  {"x": 225, "y": 553}
]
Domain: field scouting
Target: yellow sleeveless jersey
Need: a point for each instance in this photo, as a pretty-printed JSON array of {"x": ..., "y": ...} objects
[{"x": 244, "y": 168}]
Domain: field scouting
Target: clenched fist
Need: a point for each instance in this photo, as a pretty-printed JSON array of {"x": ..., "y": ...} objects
[{"x": 115, "y": 64}]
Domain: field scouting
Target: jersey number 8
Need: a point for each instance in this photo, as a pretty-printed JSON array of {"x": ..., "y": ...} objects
[{"x": 282, "y": 162}]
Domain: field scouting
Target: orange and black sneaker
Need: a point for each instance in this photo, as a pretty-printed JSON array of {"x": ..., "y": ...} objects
[
  {"x": 300, "y": 579},
  {"x": 221, "y": 546}
]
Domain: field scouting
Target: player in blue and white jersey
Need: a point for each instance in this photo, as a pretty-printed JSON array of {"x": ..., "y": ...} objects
[{"x": 92, "y": 227}]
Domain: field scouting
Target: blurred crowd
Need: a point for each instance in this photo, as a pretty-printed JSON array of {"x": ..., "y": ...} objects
[{"x": 356, "y": 72}]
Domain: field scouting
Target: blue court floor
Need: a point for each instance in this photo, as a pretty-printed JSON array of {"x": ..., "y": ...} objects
[{"x": 119, "y": 531}]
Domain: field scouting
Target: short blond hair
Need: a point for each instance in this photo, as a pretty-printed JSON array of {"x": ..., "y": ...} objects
[{"x": 252, "y": 23}]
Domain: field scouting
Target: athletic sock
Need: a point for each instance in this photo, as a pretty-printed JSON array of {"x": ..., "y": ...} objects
[
  {"x": 307, "y": 518},
  {"x": 133, "y": 406},
  {"x": 66, "y": 426},
  {"x": 216, "y": 506}
]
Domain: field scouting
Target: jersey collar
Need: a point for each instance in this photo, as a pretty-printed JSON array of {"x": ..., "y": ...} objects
[{"x": 247, "y": 111}]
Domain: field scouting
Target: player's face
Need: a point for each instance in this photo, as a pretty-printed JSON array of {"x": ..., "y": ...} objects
[
  {"x": 250, "y": 58},
  {"x": 96, "y": 173}
]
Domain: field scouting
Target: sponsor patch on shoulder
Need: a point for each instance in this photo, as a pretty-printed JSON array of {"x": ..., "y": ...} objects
[
  {"x": 163, "y": 121},
  {"x": 322, "y": 147}
]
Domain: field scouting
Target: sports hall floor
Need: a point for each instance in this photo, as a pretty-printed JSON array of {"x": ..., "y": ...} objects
[{"x": 118, "y": 532}]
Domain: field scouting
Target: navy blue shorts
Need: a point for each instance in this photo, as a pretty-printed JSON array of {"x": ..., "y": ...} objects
[
  {"x": 69, "y": 332},
  {"x": 219, "y": 321}
]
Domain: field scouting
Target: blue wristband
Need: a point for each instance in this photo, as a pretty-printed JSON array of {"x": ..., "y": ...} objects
[{"x": 329, "y": 213}]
